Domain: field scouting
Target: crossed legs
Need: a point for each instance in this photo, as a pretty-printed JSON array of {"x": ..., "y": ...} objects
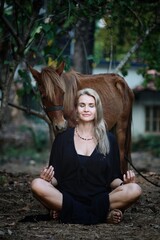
[{"x": 120, "y": 198}]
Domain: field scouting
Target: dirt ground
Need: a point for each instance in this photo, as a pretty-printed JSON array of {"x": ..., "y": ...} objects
[{"x": 22, "y": 217}]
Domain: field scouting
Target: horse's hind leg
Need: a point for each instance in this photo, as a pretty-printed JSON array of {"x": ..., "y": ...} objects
[{"x": 123, "y": 133}]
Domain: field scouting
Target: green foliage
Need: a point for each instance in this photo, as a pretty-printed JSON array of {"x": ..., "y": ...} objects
[
  {"x": 39, "y": 137},
  {"x": 125, "y": 23},
  {"x": 24, "y": 152},
  {"x": 34, "y": 146},
  {"x": 26, "y": 80},
  {"x": 150, "y": 53},
  {"x": 28, "y": 94},
  {"x": 125, "y": 69},
  {"x": 37, "y": 32},
  {"x": 149, "y": 143}
]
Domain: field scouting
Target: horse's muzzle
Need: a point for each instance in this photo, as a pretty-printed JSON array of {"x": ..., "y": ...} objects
[{"x": 61, "y": 128}]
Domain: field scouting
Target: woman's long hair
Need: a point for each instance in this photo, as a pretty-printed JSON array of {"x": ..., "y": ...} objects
[{"x": 99, "y": 122}]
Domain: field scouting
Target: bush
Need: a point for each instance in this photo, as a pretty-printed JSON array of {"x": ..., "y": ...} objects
[{"x": 149, "y": 143}]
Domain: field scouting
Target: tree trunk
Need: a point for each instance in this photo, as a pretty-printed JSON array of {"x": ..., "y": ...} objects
[{"x": 84, "y": 46}]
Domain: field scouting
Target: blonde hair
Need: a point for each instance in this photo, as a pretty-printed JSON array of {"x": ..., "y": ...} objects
[{"x": 99, "y": 122}]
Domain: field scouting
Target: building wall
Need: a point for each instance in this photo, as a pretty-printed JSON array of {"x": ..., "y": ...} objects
[{"x": 138, "y": 121}]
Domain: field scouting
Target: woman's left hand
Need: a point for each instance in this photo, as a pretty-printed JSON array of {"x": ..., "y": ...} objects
[
  {"x": 129, "y": 177},
  {"x": 47, "y": 173}
]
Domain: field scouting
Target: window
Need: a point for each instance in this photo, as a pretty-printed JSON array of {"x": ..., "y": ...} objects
[{"x": 152, "y": 119}]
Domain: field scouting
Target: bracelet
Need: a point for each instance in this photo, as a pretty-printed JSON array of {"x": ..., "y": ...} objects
[{"x": 122, "y": 183}]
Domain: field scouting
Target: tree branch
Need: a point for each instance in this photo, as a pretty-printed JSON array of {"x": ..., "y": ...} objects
[
  {"x": 37, "y": 114},
  {"x": 6, "y": 22},
  {"x": 133, "y": 49},
  {"x": 135, "y": 14},
  {"x": 30, "y": 111}
]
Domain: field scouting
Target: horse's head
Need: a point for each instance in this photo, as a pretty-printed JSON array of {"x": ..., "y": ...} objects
[{"x": 52, "y": 93}]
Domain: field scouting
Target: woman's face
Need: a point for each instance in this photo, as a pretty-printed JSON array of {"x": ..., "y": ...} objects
[{"x": 86, "y": 108}]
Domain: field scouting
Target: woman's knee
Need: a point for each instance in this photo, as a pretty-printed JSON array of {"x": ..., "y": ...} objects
[
  {"x": 134, "y": 191},
  {"x": 37, "y": 186}
]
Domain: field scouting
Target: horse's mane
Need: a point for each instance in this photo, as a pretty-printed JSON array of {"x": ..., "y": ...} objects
[
  {"x": 67, "y": 82},
  {"x": 50, "y": 78},
  {"x": 72, "y": 83}
]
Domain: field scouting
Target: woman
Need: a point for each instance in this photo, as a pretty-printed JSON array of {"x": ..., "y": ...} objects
[{"x": 83, "y": 183}]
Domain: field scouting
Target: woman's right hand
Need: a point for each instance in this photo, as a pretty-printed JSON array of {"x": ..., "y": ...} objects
[
  {"x": 129, "y": 177},
  {"x": 47, "y": 173}
]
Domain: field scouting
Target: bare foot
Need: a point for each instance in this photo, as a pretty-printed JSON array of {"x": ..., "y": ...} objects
[
  {"x": 115, "y": 216},
  {"x": 54, "y": 214}
]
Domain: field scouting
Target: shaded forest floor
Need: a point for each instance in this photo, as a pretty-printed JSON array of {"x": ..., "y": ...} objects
[{"x": 22, "y": 217}]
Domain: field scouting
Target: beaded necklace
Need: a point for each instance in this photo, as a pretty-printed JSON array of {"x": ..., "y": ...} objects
[{"x": 85, "y": 139}]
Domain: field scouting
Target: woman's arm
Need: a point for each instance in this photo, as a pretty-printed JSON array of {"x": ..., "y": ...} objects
[
  {"x": 116, "y": 183},
  {"x": 129, "y": 177}
]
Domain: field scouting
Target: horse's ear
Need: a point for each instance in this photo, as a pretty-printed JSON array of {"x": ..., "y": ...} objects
[
  {"x": 35, "y": 73},
  {"x": 60, "y": 68}
]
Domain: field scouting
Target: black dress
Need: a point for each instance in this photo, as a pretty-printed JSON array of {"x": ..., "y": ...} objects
[{"x": 84, "y": 180}]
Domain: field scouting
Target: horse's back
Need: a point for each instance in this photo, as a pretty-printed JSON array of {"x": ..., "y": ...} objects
[{"x": 105, "y": 82}]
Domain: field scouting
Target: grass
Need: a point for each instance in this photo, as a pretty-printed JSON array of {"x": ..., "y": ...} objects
[
  {"x": 24, "y": 154},
  {"x": 149, "y": 143}
]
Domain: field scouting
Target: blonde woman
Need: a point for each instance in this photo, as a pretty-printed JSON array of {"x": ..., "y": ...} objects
[{"x": 83, "y": 183}]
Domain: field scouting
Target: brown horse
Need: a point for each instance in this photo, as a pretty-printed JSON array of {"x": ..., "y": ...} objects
[{"x": 58, "y": 91}]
